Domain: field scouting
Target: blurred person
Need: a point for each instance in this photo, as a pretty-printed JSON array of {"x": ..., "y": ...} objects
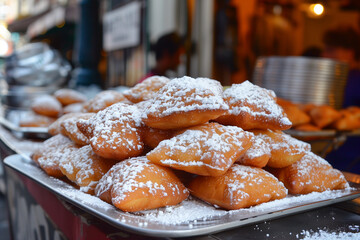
[
  {"x": 168, "y": 50},
  {"x": 343, "y": 44}
]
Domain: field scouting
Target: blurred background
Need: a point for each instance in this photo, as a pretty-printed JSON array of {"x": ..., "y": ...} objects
[{"x": 222, "y": 39}]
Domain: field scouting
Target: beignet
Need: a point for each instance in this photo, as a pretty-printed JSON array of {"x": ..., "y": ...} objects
[
  {"x": 185, "y": 102},
  {"x": 114, "y": 132},
  {"x": 31, "y": 119},
  {"x": 310, "y": 174},
  {"x": 83, "y": 167},
  {"x": 294, "y": 113},
  {"x": 209, "y": 149},
  {"x": 49, "y": 155},
  {"x": 146, "y": 90},
  {"x": 137, "y": 184},
  {"x": 323, "y": 115},
  {"x": 69, "y": 128},
  {"x": 285, "y": 149},
  {"x": 253, "y": 107},
  {"x": 240, "y": 187},
  {"x": 257, "y": 155},
  {"x": 69, "y": 96},
  {"x": 103, "y": 100},
  {"x": 47, "y": 105}
]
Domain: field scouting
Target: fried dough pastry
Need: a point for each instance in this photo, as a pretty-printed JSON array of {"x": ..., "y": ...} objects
[
  {"x": 240, "y": 187},
  {"x": 137, "y": 184},
  {"x": 293, "y": 112},
  {"x": 323, "y": 115},
  {"x": 185, "y": 102},
  {"x": 257, "y": 155},
  {"x": 47, "y": 105},
  {"x": 69, "y": 96},
  {"x": 285, "y": 150},
  {"x": 349, "y": 120},
  {"x": 54, "y": 128},
  {"x": 307, "y": 127},
  {"x": 31, "y": 119},
  {"x": 74, "y": 108},
  {"x": 103, "y": 100},
  {"x": 153, "y": 136},
  {"x": 51, "y": 152},
  {"x": 114, "y": 132},
  {"x": 146, "y": 90},
  {"x": 69, "y": 128},
  {"x": 310, "y": 174},
  {"x": 83, "y": 167},
  {"x": 253, "y": 107},
  {"x": 209, "y": 149}
]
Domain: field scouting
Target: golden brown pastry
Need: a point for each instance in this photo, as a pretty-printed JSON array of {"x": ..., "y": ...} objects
[
  {"x": 54, "y": 128},
  {"x": 285, "y": 149},
  {"x": 293, "y": 112},
  {"x": 257, "y": 155},
  {"x": 83, "y": 167},
  {"x": 253, "y": 107},
  {"x": 323, "y": 115},
  {"x": 69, "y": 96},
  {"x": 31, "y": 119},
  {"x": 240, "y": 187},
  {"x": 136, "y": 184},
  {"x": 47, "y": 105},
  {"x": 74, "y": 108},
  {"x": 310, "y": 174},
  {"x": 307, "y": 127},
  {"x": 349, "y": 120},
  {"x": 114, "y": 132},
  {"x": 69, "y": 128},
  {"x": 103, "y": 100},
  {"x": 153, "y": 136},
  {"x": 185, "y": 102},
  {"x": 50, "y": 154},
  {"x": 147, "y": 89},
  {"x": 209, "y": 149}
]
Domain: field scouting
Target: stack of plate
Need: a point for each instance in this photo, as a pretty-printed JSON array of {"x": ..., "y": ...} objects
[{"x": 303, "y": 79}]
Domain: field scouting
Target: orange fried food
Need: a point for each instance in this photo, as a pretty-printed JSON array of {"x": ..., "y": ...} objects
[
  {"x": 253, "y": 107},
  {"x": 69, "y": 128},
  {"x": 153, "y": 136},
  {"x": 285, "y": 150},
  {"x": 240, "y": 187},
  {"x": 69, "y": 96},
  {"x": 185, "y": 102},
  {"x": 349, "y": 120},
  {"x": 83, "y": 167},
  {"x": 323, "y": 115},
  {"x": 146, "y": 90},
  {"x": 307, "y": 127},
  {"x": 136, "y": 184},
  {"x": 294, "y": 113},
  {"x": 73, "y": 108},
  {"x": 47, "y": 105},
  {"x": 310, "y": 174},
  {"x": 31, "y": 119},
  {"x": 54, "y": 128},
  {"x": 209, "y": 149},
  {"x": 103, "y": 100},
  {"x": 114, "y": 132},
  {"x": 51, "y": 152},
  {"x": 257, "y": 155}
]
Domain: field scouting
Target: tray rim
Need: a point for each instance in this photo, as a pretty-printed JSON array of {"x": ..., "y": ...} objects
[{"x": 13, "y": 162}]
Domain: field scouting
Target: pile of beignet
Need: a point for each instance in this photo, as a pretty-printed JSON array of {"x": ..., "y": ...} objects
[
  {"x": 311, "y": 117},
  {"x": 173, "y": 138}
]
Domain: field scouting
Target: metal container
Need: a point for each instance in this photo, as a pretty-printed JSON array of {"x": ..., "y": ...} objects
[{"x": 303, "y": 79}]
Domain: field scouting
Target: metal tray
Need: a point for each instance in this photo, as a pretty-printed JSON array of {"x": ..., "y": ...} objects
[
  {"x": 204, "y": 219},
  {"x": 26, "y": 132}
]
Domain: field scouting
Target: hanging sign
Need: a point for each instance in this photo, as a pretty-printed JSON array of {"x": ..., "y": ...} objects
[{"x": 121, "y": 27}]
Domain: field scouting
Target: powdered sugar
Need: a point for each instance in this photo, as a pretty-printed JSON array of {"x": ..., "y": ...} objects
[
  {"x": 262, "y": 102},
  {"x": 187, "y": 94}
]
